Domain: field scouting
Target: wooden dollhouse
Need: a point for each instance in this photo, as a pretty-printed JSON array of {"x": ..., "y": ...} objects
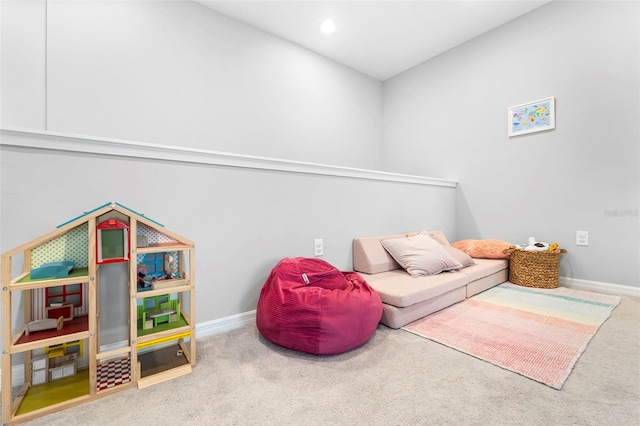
[{"x": 104, "y": 302}]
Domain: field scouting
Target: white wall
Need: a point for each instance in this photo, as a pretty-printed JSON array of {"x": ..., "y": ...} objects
[
  {"x": 448, "y": 118},
  {"x": 243, "y": 221},
  {"x": 23, "y": 63},
  {"x": 178, "y": 73}
]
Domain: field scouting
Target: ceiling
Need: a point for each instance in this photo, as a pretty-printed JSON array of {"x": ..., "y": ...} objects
[{"x": 378, "y": 38}]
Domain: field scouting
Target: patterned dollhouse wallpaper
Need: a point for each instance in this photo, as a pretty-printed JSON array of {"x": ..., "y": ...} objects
[{"x": 73, "y": 245}]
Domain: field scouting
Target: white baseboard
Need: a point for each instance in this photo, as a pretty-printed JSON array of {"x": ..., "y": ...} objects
[
  {"x": 599, "y": 287},
  {"x": 225, "y": 324}
]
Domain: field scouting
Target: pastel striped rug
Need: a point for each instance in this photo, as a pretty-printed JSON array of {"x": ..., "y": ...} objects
[{"x": 538, "y": 333}]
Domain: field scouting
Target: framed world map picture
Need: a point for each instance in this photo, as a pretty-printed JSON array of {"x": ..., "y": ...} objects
[{"x": 532, "y": 117}]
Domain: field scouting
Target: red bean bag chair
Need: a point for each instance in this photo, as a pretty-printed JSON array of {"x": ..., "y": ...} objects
[{"x": 307, "y": 305}]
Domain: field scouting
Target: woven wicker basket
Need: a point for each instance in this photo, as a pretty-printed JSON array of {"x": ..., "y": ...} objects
[{"x": 539, "y": 269}]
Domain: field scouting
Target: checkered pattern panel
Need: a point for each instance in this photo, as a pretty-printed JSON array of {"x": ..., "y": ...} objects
[{"x": 114, "y": 373}]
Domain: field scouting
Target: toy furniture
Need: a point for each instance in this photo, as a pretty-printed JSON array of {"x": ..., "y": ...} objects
[
  {"x": 308, "y": 305},
  {"x": 68, "y": 351},
  {"x": 405, "y": 298},
  {"x": 39, "y": 369},
  {"x": 55, "y": 310},
  {"x": 161, "y": 315},
  {"x": 158, "y": 310},
  {"x": 53, "y": 270},
  {"x": 44, "y": 324},
  {"x": 62, "y": 366}
]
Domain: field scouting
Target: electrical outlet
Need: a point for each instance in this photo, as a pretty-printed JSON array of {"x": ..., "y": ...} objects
[
  {"x": 318, "y": 245},
  {"x": 582, "y": 238}
]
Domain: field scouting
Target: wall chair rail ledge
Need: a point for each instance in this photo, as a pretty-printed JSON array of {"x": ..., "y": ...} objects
[{"x": 56, "y": 141}]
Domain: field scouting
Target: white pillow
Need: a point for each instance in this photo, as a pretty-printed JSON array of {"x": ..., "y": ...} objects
[{"x": 420, "y": 255}]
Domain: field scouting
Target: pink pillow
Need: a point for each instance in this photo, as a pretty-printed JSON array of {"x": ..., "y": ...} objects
[
  {"x": 461, "y": 257},
  {"x": 483, "y": 249}
]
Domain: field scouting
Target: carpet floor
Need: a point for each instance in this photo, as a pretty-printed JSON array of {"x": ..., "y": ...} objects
[{"x": 396, "y": 378}]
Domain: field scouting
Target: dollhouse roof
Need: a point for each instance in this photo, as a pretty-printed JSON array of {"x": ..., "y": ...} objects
[
  {"x": 146, "y": 225},
  {"x": 113, "y": 206}
]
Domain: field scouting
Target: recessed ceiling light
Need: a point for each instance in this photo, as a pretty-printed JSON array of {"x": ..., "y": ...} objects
[{"x": 328, "y": 26}]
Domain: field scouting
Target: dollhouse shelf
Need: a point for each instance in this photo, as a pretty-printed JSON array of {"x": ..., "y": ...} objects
[
  {"x": 155, "y": 247},
  {"x": 165, "y": 363},
  {"x": 76, "y": 392},
  {"x": 75, "y": 329},
  {"x": 25, "y": 282},
  {"x": 174, "y": 287}
]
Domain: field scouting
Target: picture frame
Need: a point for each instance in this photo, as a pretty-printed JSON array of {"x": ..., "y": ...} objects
[{"x": 536, "y": 116}]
